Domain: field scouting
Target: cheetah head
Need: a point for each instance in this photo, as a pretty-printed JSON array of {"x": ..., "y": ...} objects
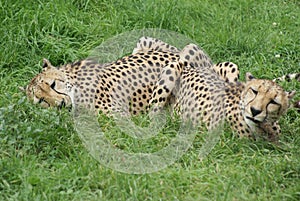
[
  {"x": 49, "y": 88},
  {"x": 263, "y": 101}
]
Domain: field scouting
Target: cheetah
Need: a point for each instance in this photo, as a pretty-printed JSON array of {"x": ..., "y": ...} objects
[
  {"x": 123, "y": 87},
  {"x": 158, "y": 74},
  {"x": 210, "y": 93}
]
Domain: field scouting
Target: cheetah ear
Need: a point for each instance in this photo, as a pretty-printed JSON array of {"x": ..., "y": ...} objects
[
  {"x": 249, "y": 77},
  {"x": 290, "y": 94},
  {"x": 46, "y": 64}
]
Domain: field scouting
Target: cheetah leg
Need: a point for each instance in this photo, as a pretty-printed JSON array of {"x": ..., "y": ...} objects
[
  {"x": 228, "y": 71},
  {"x": 146, "y": 44},
  {"x": 195, "y": 57},
  {"x": 164, "y": 87}
]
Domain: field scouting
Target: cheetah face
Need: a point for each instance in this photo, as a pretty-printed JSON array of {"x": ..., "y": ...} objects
[
  {"x": 263, "y": 101},
  {"x": 48, "y": 88}
]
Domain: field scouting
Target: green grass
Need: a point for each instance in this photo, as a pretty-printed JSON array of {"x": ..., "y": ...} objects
[{"x": 41, "y": 155}]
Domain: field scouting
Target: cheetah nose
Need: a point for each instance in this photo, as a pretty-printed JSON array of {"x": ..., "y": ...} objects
[{"x": 254, "y": 111}]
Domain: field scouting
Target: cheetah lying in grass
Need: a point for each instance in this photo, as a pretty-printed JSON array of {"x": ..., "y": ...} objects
[{"x": 158, "y": 74}]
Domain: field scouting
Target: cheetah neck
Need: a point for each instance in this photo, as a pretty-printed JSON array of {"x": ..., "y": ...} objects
[
  {"x": 81, "y": 81},
  {"x": 235, "y": 109}
]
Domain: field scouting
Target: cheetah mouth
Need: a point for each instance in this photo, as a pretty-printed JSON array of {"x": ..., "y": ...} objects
[
  {"x": 254, "y": 120},
  {"x": 62, "y": 104}
]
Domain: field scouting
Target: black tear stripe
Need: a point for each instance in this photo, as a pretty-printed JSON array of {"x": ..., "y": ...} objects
[{"x": 253, "y": 98}]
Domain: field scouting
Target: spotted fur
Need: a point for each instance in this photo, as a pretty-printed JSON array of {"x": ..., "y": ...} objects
[
  {"x": 210, "y": 93},
  {"x": 157, "y": 74}
]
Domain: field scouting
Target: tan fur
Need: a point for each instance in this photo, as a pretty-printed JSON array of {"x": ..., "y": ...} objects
[{"x": 157, "y": 73}]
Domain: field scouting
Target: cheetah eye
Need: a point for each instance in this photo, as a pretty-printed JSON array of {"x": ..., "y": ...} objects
[
  {"x": 52, "y": 85},
  {"x": 273, "y": 102},
  {"x": 254, "y": 91}
]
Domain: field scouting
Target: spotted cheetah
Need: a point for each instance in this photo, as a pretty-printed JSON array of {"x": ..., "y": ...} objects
[
  {"x": 158, "y": 74},
  {"x": 210, "y": 93}
]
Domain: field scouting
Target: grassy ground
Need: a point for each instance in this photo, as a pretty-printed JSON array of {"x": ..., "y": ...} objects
[{"x": 42, "y": 157}]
